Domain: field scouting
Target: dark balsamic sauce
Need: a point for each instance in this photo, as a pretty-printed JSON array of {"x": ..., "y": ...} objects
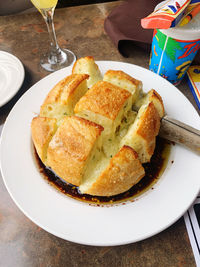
[{"x": 153, "y": 171}]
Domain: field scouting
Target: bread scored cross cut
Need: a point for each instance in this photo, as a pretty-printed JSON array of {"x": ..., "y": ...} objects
[
  {"x": 93, "y": 138},
  {"x": 105, "y": 104}
]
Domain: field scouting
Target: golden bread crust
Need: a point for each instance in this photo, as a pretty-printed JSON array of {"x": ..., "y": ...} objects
[
  {"x": 149, "y": 128},
  {"x": 121, "y": 76},
  {"x": 87, "y": 65},
  {"x": 142, "y": 134},
  {"x": 64, "y": 89},
  {"x": 103, "y": 98},
  {"x": 149, "y": 124},
  {"x": 62, "y": 98},
  {"x": 124, "y": 81},
  {"x": 71, "y": 146},
  {"x": 87, "y": 59},
  {"x": 154, "y": 97},
  {"x": 123, "y": 171},
  {"x": 42, "y": 130}
]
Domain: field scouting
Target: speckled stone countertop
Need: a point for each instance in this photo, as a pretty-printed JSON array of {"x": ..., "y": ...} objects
[{"x": 22, "y": 243}]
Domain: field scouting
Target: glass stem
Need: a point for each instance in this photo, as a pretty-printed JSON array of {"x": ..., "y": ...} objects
[{"x": 55, "y": 51}]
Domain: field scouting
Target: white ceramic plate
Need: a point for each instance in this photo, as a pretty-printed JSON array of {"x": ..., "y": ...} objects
[
  {"x": 80, "y": 222},
  {"x": 11, "y": 76}
]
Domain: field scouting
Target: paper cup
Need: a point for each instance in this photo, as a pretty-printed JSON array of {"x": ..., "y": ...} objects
[{"x": 174, "y": 49}]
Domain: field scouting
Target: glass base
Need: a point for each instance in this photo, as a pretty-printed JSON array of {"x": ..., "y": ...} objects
[{"x": 52, "y": 62}]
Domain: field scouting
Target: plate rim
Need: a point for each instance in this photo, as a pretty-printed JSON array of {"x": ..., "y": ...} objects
[{"x": 22, "y": 76}]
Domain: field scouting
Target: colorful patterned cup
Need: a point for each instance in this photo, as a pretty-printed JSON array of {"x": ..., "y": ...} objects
[{"x": 173, "y": 50}]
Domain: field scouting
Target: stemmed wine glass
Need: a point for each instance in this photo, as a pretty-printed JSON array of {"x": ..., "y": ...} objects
[{"x": 56, "y": 58}]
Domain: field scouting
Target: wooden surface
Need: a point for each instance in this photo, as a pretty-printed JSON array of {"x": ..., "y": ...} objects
[{"x": 22, "y": 243}]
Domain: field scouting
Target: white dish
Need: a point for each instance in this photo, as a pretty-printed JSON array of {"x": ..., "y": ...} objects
[
  {"x": 80, "y": 222},
  {"x": 11, "y": 76}
]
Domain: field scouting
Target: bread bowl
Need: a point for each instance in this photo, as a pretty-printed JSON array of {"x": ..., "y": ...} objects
[{"x": 93, "y": 145}]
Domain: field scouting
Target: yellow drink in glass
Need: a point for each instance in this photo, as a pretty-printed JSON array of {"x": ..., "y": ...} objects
[{"x": 44, "y": 4}]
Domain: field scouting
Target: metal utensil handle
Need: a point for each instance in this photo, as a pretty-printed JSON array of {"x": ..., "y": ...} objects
[{"x": 180, "y": 133}]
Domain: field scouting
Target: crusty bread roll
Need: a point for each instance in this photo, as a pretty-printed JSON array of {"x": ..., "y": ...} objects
[
  {"x": 70, "y": 150},
  {"x": 142, "y": 134},
  {"x": 61, "y": 100},
  {"x": 93, "y": 138},
  {"x": 105, "y": 104},
  {"x": 153, "y": 96},
  {"x": 87, "y": 65},
  {"x": 43, "y": 129},
  {"x": 123, "y": 171},
  {"x": 125, "y": 81}
]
